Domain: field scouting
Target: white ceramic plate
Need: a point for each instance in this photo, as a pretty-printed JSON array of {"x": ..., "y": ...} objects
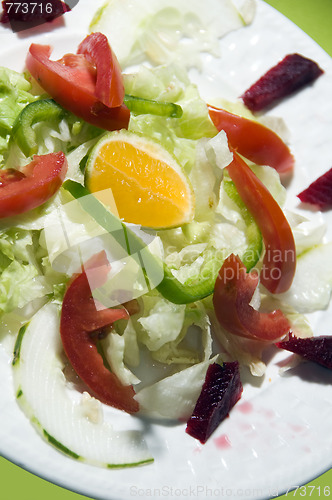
[{"x": 279, "y": 435}]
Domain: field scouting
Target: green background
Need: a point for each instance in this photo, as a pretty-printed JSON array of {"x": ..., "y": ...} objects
[{"x": 315, "y": 18}]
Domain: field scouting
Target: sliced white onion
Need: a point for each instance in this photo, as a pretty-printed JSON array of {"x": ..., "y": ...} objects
[{"x": 43, "y": 393}]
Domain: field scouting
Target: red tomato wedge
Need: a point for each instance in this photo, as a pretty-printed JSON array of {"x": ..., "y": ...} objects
[
  {"x": 72, "y": 82},
  {"x": 253, "y": 140},
  {"x": 280, "y": 257},
  {"x": 79, "y": 319},
  {"x": 21, "y": 192},
  {"x": 233, "y": 292},
  {"x": 109, "y": 87},
  {"x": 10, "y": 175}
]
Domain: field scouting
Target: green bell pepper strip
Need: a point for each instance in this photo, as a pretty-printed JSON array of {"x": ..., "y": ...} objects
[
  {"x": 37, "y": 111},
  {"x": 141, "y": 106},
  {"x": 254, "y": 236},
  {"x": 196, "y": 288}
]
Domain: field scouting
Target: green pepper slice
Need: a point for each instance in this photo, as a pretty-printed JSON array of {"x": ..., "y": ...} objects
[
  {"x": 141, "y": 106},
  {"x": 254, "y": 236},
  {"x": 37, "y": 111}
]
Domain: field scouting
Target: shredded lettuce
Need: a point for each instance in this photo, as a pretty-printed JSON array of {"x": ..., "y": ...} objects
[
  {"x": 270, "y": 178},
  {"x": 175, "y": 396},
  {"x": 212, "y": 156},
  {"x": 167, "y": 337},
  {"x": 20, "y": 284},
  {"x": 171, "y": 84},
  {"x": 312, "y": 285},
  {"x": 21, "y": 280},
  {"x": 131, "y": 350},
  {"x": 194, "y": 343},
  {"x": 114, "y": 348},
  {"x": 307, "y": 232},
  {"x": 170, "y": 30},
  {"x": 70, "y": 134},
  {"x": 14, "y": 96},
  {"x": 162, "y": 322},
  {"x": 174, "y": 334}
]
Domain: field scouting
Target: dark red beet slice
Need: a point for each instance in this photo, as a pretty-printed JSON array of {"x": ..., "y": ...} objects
[
  {"x": 221, "y": 390},
  {"x": 319, "y": 193},
  {"x": 317, "y": 349},
  {"x": 282, "y": 80}
]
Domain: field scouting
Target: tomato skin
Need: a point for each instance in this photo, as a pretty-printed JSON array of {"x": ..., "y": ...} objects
[
  {"x": 233, "y": 292},
  {"x": 107, "y": 118},
  {"x": 280, "y": 256},
  {"x": 80, "y": 318},
  {"x": 71, "y": 82},
  {"x": 39, "y": 182},
  {"x": 253, "y": 140},
  {"x": 109, "y": 84}
]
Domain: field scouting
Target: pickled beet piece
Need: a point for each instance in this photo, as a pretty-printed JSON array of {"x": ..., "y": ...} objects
[
  {"x": 282, "y": 80},
  {"x": 317, "y": 349},
  {"x": 222, "y": 388},
  {"x": 319, "y": 192}
]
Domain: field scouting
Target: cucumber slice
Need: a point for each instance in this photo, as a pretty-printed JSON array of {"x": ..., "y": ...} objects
[{"x": 43, "y": 394}]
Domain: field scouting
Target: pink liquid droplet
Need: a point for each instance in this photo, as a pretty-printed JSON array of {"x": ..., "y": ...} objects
[
  {"x": 245, "y": 407},
  {"x": 223, "y": 442},
  {"x": 269, "y": 413},
  {"x": 298, "y": 428}
]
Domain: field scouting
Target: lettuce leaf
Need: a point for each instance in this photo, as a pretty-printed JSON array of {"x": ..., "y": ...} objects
[
  {"x": 162, "y": 322},
  {"x": 14, "y": 96},
  {"x": 168, "y": 30},
  {"x": 307, "y": 233},
  {"x": 19, "y": 285},
  {"x": 175, "y": 396},
  {"x": 21, "y": 279},
  {"x": 173, "y": 333},
  {"x": 312, "y": 285},
  {"x": 170, "y": 84},
  {"x": 114, "y": 348}
]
